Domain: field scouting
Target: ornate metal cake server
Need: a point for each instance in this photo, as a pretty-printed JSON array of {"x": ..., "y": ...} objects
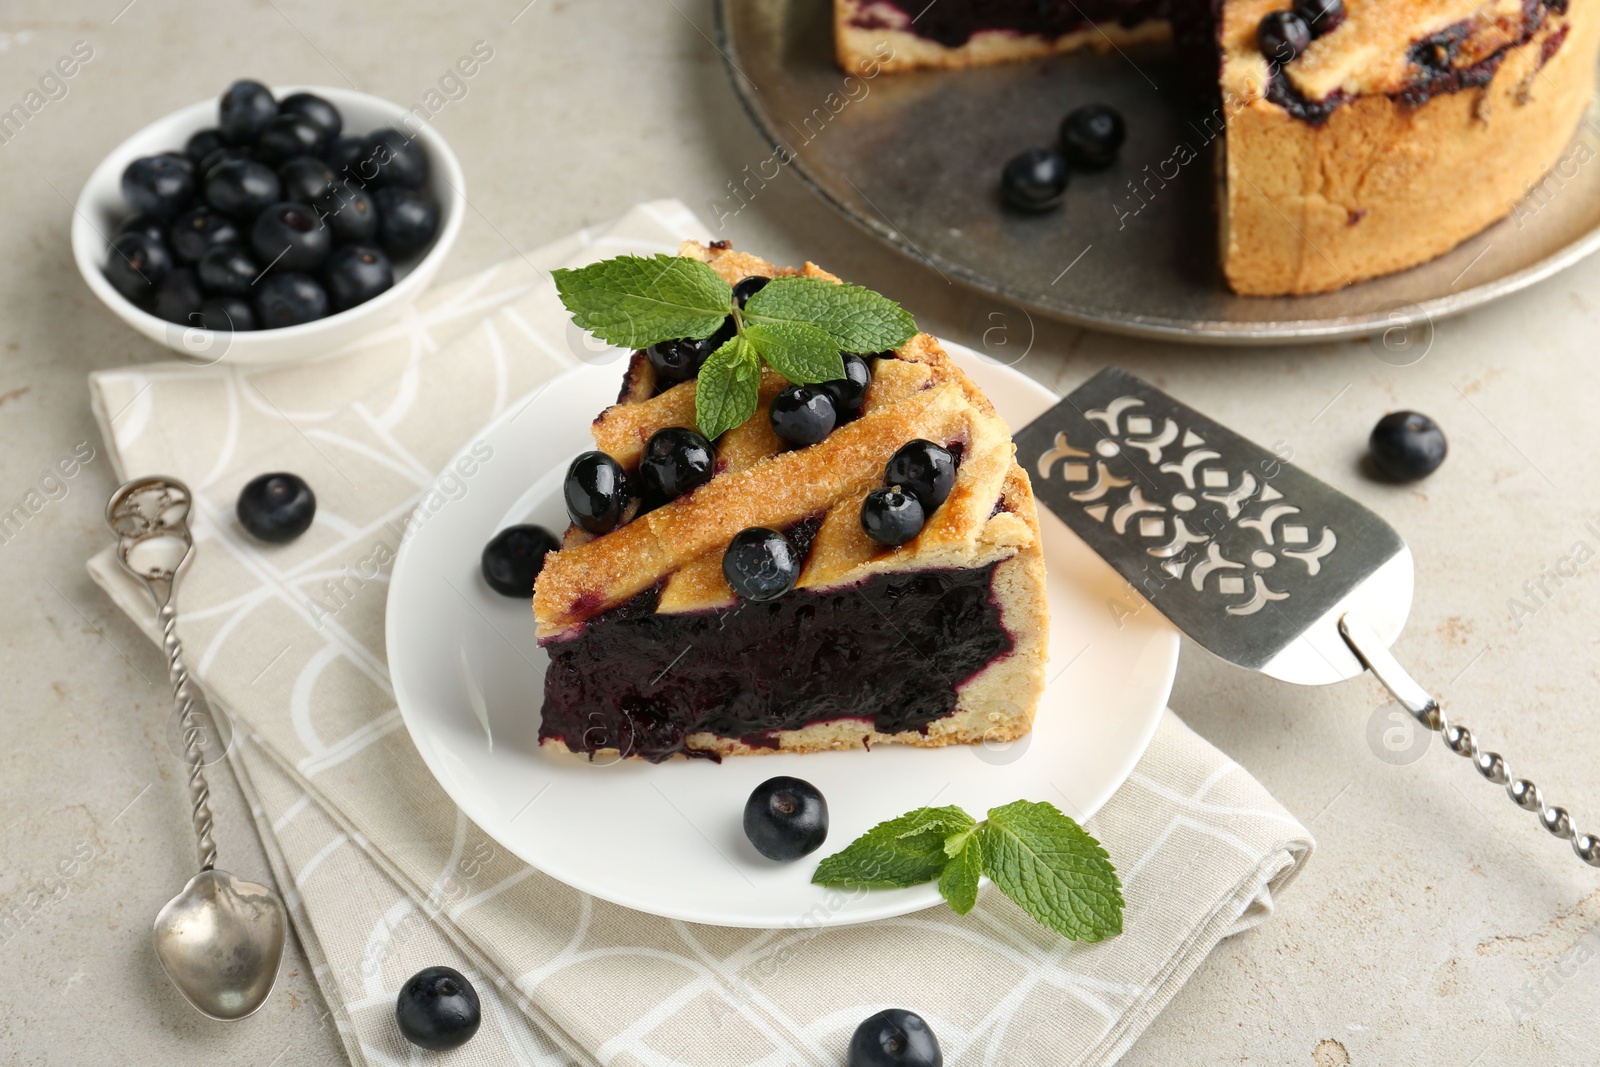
[
  {"x": 222, "y": 938},
  {"x": 1252, "y": 558}
]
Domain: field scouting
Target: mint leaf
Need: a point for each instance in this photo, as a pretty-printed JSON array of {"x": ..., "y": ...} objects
[
  {"x": 728, "y": 387},
  {"x": 1053, "y": 869},
  {"x": 959, "y": 882},
  {"x": 801, "y": 353},
  {"x": 897, "y": 853},
  {"x": 857, "y": 319},
  {"x": 633, "y": 302}
]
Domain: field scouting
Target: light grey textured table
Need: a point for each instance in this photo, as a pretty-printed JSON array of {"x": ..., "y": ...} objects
[{"x": 1437, "y": 925}]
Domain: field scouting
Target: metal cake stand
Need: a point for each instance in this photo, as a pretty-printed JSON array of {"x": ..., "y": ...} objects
[{"x": 914, "y": 159}]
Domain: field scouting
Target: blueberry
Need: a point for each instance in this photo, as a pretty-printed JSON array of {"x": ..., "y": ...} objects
[
  {"x": 438, "y": 1009},
  {"x": 197, "y": 231},
  {"x": 316, "y": 109},
  {"x": 786, "y": 818},
  {"x": 850, "y": 392},
  {"x": 679, "y": 360},
  {"x": 276, "y": 507},
  {"x": 760, "y": 564},
  {"x": 159, "y": 185},
  {"x": 227, "y": 270},
  {"x": 723, "y": 335},
  {"x": 244, "y": 111},
  {"x": 178, "y": 296},
  {"x": 924, "y": 470},
  {"x": 514, "y": 557},
  {"x": 747, "y": 288},
  {"x": 596, "y": 491},
  {"x": 348, "y": 210},
  {"x": 891, "y": 516},
  {"x": 289, "y": 236},
  {"x": 1282, "y": 36},
  {"x": 802, "y": 415},
  {"x": 894, "y": 1038},
  {"x": 202, "y": 143},
  {"x": 407, "y": 219},
  {"x": 289, "y": 298},
  {"x": 225, "y": 314},
  {"x": 215, "y": 158},
  {"x": 1092, "y": 135},
  {"x": 355, "y": 274},
  {"x": 288, "y": 136},
  {"x": 136, "y": 265},
  {"x": 242, "y": 188},
  {"x": 1034, "y": 180},
  {"x": 1320, "y": 16},
  {"x": 394, "y": 159},
  {"x": 345, "y": 155},
  {"x": 676, "y": 461},
  {"x": 305, "y": 178},
  {"x": 1407, "y": 446},
  {"x": 148, "y": 225}
]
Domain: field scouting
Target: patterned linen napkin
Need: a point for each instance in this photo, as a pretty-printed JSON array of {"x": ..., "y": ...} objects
[{"x": 384, "y": 876}]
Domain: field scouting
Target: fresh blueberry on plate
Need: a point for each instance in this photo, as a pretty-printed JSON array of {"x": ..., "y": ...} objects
[
  {"x": 289, "y": 236},
  {"x": 305, "y": 179},
  {"x": 149, "y": 225},
  {"x": 923, "y": 469},
  {"x": 288, "y": 136},
  {"x": 407, "y": 219},
  {"x": 355, "y": 274},
  {"x": 228, "y": 270},
  {"x": 760, "y": 564},
  {"x": 676, "y": 460},
  {"x": 202, "y": 143},
  {"x": 318, "y": 110},
  {"x": 348, "y": 210},
  {"x": 159, "y": 185},
  {"x": 786, "y": 818},
  {"x": 438, "y": 1009},
  {"x": 1034, "y": 180},
  {"x": 1407, "y": 445},
  {"x": 214, "y": 159},
  {"x": 802, "y": 415},
  {"x": 891, "y": 516},
  {"x": 198, "y": 230},
  {"x": 242, "y": 188},
  {"x": 1282, "y": 36},
  {"x": 894, "y": 1038},
  {"x": 289, "y": 298},
  {"x": 514, "y": 557},
  {"x": 225, "y": 314},
  {"x": 136, "y": 265},
  {"x": 1092, "y": 135},
  {"x": 596, "y": 492},
  {"x": 398, "y": 160},
  {"x": 346, "y": 156},
  {"x": 677, "y": 360},
  {"x": 276, "y": 507},
  {"x": 748, "y": 287},
  {"x": 244, "y": 111},
  {"x": 178, "y": 296},
  {"x": 850, "y": 392}
]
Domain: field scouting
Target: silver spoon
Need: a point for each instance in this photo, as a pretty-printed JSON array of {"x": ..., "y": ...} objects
[{"x": 221, "y": 939}]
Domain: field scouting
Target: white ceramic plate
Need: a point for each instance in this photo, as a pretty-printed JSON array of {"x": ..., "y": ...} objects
[{"x": 667, "y": 838}]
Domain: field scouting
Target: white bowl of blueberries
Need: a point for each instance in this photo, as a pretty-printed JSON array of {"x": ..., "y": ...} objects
[{"x": 270, "y": 225}]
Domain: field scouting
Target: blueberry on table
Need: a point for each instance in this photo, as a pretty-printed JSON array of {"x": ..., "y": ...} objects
[
  {"x": 1320, "y": 16},
  {"x": 276, "y": 507},
  {"x": 178, "y": 296},
  {"x": 437, "y": 1009},
  {"x": 850, "y": 392},
  {"x": 748, "y": 287},
  {"x": 136, "y": 265},
  {"x": 786, "y": 818},
  {"x": 891, "y": 516},
  {"x": 242, "y": 188},
  {"x": 288, "y": 136},
  {"x": 676, "y": 460},
  {"x": 407, "y": 219},
  {"x": 198, "y": 230},
  {"x": 227, "y": 270},
  {"x": 677, "y": 360},
  {"x": 923, "y": 469},
  {"x": 159, "y": 185},
  {"x": 244, "y": 111},
  {"x": 1092, "y": 135},
  {"x": 348, "y": 210},
  {"x": 305, "y": 179},
  {"x": 894, "y": 1038},
  {"x": 289, "y": 236},
  {"x": 1406, "y": 446},
  {"x": 225, "y": 314},
  {"x": 394, "y": 160},
  {"x": 802, "y": 415},
  {"x": 202, "y": 143},
  {"x": 1034, "y": 180},
  {"x": 289, "y": 298},
  {"x": 148, "y": 225},
  {"x": 355, "y": 274},
  {"x": 514, "y": 557},
  {"x": 596, "y": 492},
  {"x": 760, "y": 564},
  {"x": 318, "y": 110},
  {"x": 1282, "y": 36}
]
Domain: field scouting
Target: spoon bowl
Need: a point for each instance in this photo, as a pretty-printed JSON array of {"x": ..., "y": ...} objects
[{"x": 220, "y": 941}]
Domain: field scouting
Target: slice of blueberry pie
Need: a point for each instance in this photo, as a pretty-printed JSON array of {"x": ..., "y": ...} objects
[{"x": 856, "y": 563}]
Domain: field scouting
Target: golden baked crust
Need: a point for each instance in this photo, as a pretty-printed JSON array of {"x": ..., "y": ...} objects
[{"x": 990, "y": 518}]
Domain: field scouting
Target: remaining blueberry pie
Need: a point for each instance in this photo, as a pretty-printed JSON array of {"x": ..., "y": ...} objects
[
  {"x": 777, "y": 599},
  {"x": 1355, "y": 137}
]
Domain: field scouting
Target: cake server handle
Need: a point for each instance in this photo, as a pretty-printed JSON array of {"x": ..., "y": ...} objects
[{"x": 1364, "y": 642}]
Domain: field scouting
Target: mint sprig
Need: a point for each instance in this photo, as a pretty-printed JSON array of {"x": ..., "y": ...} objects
[
  {"x": 798, "y": 326},
  {"x": 1043, "y": 860}
]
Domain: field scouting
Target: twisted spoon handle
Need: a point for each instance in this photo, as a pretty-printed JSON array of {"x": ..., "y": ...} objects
[
  {"x": 1426, "y": 710},
  {"x": 199, "y": 791}
]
